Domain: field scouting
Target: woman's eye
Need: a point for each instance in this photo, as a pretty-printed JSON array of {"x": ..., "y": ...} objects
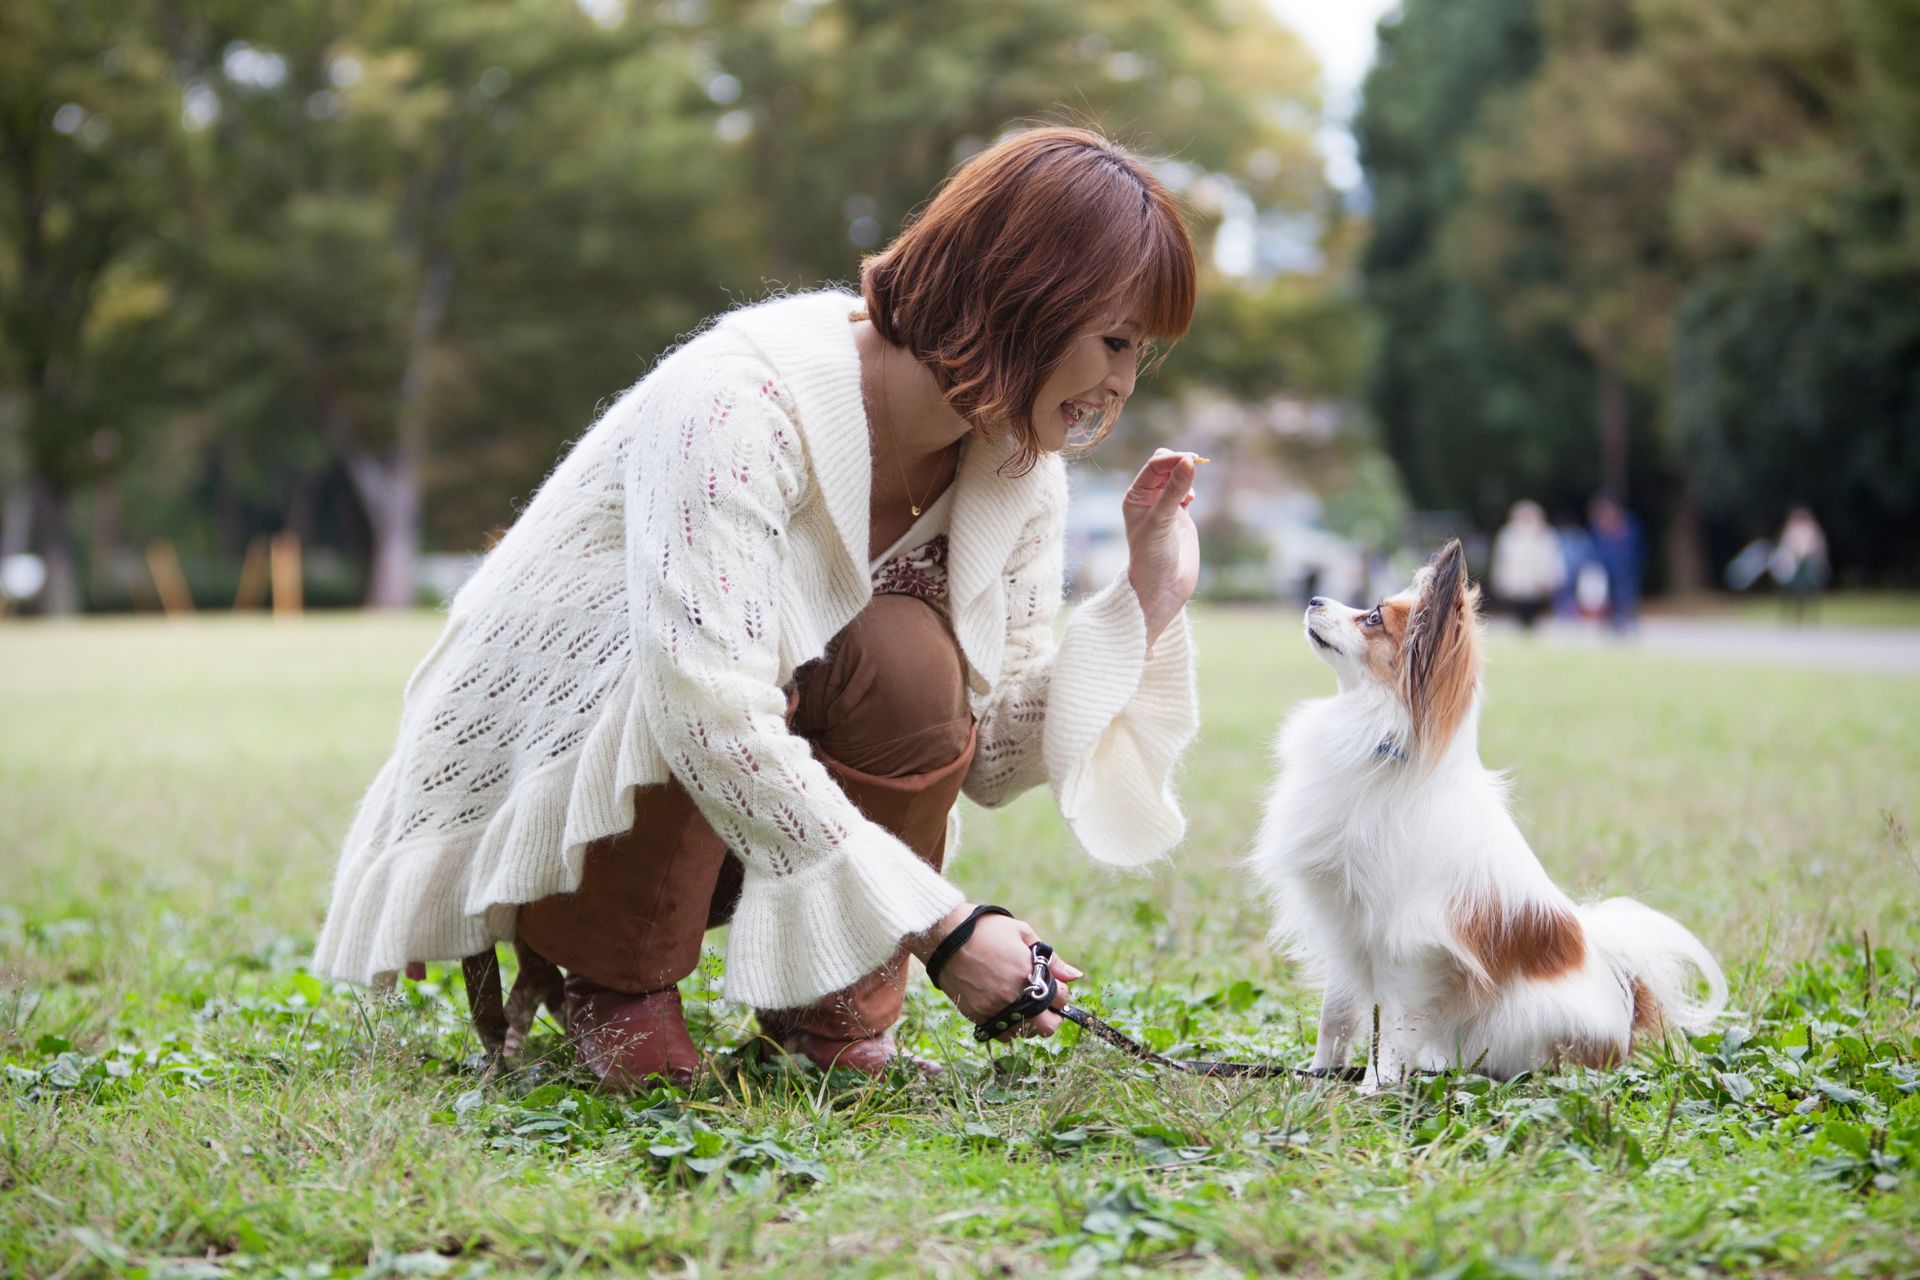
[{"x": 1117, "y": 345}]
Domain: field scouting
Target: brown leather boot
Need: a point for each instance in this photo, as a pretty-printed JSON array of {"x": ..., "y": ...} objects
[
  {"x": 629, "y": 1040},
  {"x": 849, "y": 1029}
]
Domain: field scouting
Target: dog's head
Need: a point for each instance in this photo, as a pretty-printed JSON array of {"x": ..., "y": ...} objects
[{"x": 1422, "y": 645}]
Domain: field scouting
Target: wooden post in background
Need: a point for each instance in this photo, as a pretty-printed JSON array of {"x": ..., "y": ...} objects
[
  {"x": 163, "y": 562},
  {"x": 252, "y": 591},
  {"x": 283, "y": 556}
]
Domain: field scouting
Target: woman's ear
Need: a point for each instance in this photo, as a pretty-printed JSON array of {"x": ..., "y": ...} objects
[{"x": 1442, "y": 650}]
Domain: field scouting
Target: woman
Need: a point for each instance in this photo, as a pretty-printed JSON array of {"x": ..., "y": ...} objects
[
  {"x": 1528, "y": 566},
  {"x": 790, "y": 596}
]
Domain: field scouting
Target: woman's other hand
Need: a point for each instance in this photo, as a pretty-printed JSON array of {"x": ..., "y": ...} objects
[
  {"x": 1163, "y": 546},
  {"x": 990, "y": 971}
]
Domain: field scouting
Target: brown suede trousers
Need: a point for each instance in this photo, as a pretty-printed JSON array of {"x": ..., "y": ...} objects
[{"x": 885, "y": 710}]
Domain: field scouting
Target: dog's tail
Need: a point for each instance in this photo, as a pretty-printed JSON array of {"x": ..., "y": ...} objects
[{"x": 1652, "y": 953}]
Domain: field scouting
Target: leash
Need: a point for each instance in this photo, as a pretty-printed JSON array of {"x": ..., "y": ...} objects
[{"x": 1042, "y": 988}]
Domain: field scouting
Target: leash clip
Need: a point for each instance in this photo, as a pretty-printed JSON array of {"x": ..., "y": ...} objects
[{"x": 1041, "y": 988}]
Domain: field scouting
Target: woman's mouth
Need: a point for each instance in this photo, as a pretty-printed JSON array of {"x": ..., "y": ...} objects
[{"x": 1075, "y": 412}]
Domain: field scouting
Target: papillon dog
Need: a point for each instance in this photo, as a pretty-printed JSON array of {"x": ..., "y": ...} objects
[{"x": 1400, "y": 881}]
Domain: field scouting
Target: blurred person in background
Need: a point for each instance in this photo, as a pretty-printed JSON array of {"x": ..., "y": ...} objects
[
  {"x": 1620, "y": 552},
  {"x": 1799, "y": 562},
  {"x": 788, "y": 598},
  {"x": 1528, "y": 564},
  {"x": 1576, "y": 553}
]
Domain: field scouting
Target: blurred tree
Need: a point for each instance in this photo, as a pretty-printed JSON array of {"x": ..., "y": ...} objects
[
  {"x": 403, "y": 247},
  {"x": 366, "y": 164},
  {"x": 1797, "y": 382},
  {"x": 1636, "y": 151},
  {"x": 1304, "y": 333},
  {"x": 1473, "y": 413},
  {"x": 1657, "y": 138},
  {"x": 848, "y": 113},
  {"x": 88, "y": 119}
]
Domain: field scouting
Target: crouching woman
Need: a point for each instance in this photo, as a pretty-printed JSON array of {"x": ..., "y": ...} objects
[{"x": 792, "y": 595}]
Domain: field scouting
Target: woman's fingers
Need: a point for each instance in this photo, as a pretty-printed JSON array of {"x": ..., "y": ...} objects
[
  {"x": 1038, "y": 1027},
  {"x": 1179, "y": 486},
  {"x": 1164, "y": 482},
  {"x": 1063, "y": 973}
]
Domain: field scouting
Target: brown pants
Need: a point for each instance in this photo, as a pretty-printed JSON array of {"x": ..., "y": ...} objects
[{"x": 886, "y": 712}]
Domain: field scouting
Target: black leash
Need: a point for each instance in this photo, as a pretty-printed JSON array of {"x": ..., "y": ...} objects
[{"x": 1042, "y": 987}]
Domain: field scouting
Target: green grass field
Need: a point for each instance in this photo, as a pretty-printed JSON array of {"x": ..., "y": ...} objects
[
  {"x": 181, "y": 1097},
  {"x": 1834, "y": 608}
]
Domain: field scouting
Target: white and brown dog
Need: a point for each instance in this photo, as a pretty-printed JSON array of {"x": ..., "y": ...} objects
[{"x": 1399, "y": 879}]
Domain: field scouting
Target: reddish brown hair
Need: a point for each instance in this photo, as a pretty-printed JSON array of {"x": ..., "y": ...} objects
[{"x": 1023, "y": 249}]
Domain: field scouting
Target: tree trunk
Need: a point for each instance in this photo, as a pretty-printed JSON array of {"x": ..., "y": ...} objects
[
  {"x": 390, "y": 493},
  {"x": 16, "y": 521},
  {"x": 60, "y": 598},
  {"x": 389, "y": 488},
  {"x": 1686, "y": 548},
  {"x": 103, "y": 546},
  {"x": 1613, "y": 434}
]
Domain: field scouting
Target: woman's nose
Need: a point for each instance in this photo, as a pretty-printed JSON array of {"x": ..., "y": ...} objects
[{"x": 1120, "y": 381}]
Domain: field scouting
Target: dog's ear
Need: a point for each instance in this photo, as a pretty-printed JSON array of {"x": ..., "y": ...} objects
[{"x": 1442, "y": 653}]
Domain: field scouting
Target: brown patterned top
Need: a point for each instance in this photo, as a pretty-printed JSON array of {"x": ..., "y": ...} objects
[{"x": 920, "y": 572}]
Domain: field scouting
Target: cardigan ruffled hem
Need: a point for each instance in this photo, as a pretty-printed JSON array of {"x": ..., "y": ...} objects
[
  {"x": 847, "y": 916},
  {"x": 442, "y": 897}
]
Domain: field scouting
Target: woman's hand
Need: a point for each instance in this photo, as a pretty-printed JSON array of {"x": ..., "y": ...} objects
[
  {"x": 990, "y": 971},
  {"x": 1163, "y": 547}
]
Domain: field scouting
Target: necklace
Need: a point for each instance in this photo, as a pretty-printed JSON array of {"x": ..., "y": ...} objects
[{"x": 886, "y": 411}]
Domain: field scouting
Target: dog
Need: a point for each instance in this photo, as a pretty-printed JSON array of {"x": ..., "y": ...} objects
[{"x": 1400, "y": 881}]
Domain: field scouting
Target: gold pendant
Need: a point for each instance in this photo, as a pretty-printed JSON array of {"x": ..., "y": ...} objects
[{"x": 916, "y": 510}]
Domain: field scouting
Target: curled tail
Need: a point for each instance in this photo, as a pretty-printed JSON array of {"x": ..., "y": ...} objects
[{"x": 1653, "y": 952}]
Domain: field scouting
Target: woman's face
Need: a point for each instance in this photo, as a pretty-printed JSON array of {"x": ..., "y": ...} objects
[{"x": 1100, "y": 363}]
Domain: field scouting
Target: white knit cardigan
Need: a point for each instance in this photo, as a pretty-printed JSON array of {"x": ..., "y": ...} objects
[{"x": 637, "y": 623}]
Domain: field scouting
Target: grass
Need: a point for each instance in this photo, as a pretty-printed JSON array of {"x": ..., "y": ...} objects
[
  {"x": 181, "y": 1097},
  {"x": 1874, "y": 609}
]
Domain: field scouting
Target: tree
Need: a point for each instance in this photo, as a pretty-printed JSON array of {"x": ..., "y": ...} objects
[
  {"x": 1795, "y": 384},
  {"x": 1625, "y": 174},
  {"x": 1656, "y": 137},
  {"x": 497, "y": 219},
  {"x": 372, "y": 164},
  {"x": 87, "y": 162},
  {"x": 405, "y": 246},
  {"x": 1473, "y": 413},
  {"x": 850, "y": 112}
]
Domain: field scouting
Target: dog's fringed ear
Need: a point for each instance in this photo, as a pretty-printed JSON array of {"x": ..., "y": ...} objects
[{"x": 1442, "y": 650}]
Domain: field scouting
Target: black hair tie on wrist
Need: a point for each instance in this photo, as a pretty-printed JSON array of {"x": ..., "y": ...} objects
[{"x": 958, "y": 939}]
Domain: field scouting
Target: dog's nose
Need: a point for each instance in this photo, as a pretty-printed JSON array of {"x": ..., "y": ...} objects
[{"x": 1315, "y": 603}]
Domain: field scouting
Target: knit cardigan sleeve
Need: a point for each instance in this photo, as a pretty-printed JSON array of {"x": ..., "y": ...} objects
[
  {"x": 1093, "y": 713},
  {"x": 828, "y": 894}
]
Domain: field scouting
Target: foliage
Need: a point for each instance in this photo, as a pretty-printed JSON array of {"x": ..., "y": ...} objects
[
  {"x": 1795, "y": 384},
  {"x": 1635, "y": 165},
  {"x": 87, "y": 158},
  {"x": 1473, "y": 415},
  {"x": 409, "y": 247}
]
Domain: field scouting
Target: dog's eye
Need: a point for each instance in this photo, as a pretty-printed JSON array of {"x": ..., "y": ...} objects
[{"x": 1373, "y": 619}]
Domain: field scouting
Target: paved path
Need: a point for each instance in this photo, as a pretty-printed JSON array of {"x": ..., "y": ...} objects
[{"x": 1888, "y": 649}]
